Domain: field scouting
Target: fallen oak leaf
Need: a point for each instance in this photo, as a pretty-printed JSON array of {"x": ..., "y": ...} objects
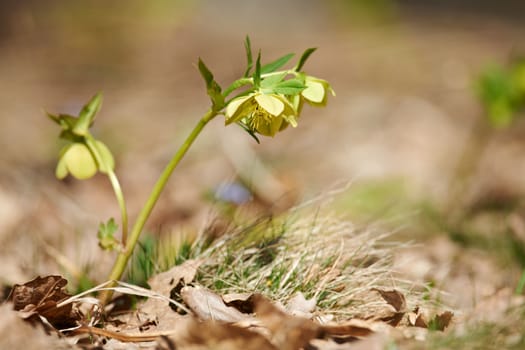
[
  {"x": 441, "y": 321},
  {"x": 39, "y": 298},
  {"x": 241, "y": 301},
  {"x": 169, "y": 284},
  {"x": 394, "y": 319},
  {"x": 287, "y": 332},
  {"x": 164, "y": 282},
  {"x": 355, "y": 328},
  {"x": 376, "y": 341},
  {"x": 208, "y": 305},
  {"x": 222, "y": 336},
  {"x": 394, "y": 298},
  {"x": 16, "y": 333},
  {"x": 417, "y": 319},
  {"x": 292, "y": 332},
  {"x": 298, "y": 305}
]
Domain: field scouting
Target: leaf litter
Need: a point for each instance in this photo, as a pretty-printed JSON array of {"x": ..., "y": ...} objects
[{"x": 311, "y": 285}]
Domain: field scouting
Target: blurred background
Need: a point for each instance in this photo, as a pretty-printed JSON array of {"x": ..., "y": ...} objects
[{"x": 408, "y": 128}]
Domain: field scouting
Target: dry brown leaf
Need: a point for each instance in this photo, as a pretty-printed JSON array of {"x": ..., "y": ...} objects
[
  {"x": 164, "y": 282},
  {"x": 355, "y": 328},
  {"x": 287, "y": 332},
  {"x": 394, "y": 319},
  {"x": 420, "y": 322},
  {"x": 169, "y": 284},
  {"x": 299, "y": 306},
  {"x": 17, "y": 334},
  {"x": 39, "y": 298},
  {"x": 441, "y": 321},
  {"x": 416, "y": 319},
  {"x": 222, "y": 336},
  {"x": 394, "y": 298},
  {"x": 376, "y": 341},
  {"x": 209, "y": 306},
  {"x": 241, "y": 301}
]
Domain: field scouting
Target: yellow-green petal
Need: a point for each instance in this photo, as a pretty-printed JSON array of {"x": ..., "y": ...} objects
[
  {"x": 276, "y": 125},
  {"x": 61, "y": 169},
  {"x": 290, "y": 119},
  {"x": 233, "y": 108},
  {"x": 108, "y": 163},
  {"x": 269, "y": 127},
  {"x": 270, "y": 104},
  {"x": 79, "y": 161},
  {"x": 315, "y": 91}
]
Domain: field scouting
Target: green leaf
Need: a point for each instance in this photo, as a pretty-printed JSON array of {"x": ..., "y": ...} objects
[
  {"x": 87, "y": 115},
  {"x": 206, "y": 73},
  {"x": 501, "y": 113},
  {"x": 68, "y": 135},
  {"x": 306, "y": 54},
  {"x": 249, "y": 58},
  {"x": 212, "y": 87},
  {"x": 278, "y": 63},
  {"x": 289, "y": 87},
  {"x": 272, "y": 80},
  {"x": 106, "y": 235},
  {"x": 496, "y": 92},
  {"x": 67, "y": 122},
  {"x": 257, "y": 73}
]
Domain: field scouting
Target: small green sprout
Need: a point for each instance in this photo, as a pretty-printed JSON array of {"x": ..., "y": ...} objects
[
  {"x": 502, "y": 92},
  {"x": 264, "y": 101},
  {"x": 106, "y": 235}
]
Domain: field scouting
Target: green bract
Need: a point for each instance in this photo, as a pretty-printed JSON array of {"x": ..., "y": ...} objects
[{"x": 265, "y": 114}]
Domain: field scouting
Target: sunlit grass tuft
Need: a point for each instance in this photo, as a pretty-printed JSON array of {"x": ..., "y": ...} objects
[
  {"x": 308, "y": 250},
  {"x": 318, "y": 254}
]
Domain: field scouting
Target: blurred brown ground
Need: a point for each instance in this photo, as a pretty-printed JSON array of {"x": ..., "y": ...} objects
[{"x": 403, "y": 75}]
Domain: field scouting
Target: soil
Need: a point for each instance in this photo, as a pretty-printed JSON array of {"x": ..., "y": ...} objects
[{"x": 404, "y": 109}]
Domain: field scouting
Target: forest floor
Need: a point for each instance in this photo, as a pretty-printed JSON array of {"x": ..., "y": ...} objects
[{"x": 381, "y": 159}]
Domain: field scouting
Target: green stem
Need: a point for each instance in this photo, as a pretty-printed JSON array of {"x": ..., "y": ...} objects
[
  {"x": 124, "y": 256},
  {"x": 521, "y": 284},
  {"x": 113, "y": 179},
  {"x": 237, "y": 84}
]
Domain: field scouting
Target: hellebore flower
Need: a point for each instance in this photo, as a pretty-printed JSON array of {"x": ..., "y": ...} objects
[
  {"x": 83, "y": 156},
  {"x": 265, "y": 114},
  {"x": 79, "y": 161}
]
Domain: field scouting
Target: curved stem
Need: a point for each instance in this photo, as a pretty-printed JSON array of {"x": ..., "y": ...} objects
[
  {"x": 125, "y": 254},
  {"x": 236, "y": 84},
  {"x": 113, "y": 179}
]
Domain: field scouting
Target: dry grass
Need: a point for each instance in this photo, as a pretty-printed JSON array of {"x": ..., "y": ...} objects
[{"x": 308, "y": 251}]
